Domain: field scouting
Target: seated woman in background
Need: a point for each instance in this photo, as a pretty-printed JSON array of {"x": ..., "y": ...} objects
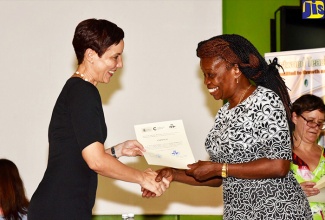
[
  {"x": 13, "y": 201},
  {"x": 308, "y": 116}
]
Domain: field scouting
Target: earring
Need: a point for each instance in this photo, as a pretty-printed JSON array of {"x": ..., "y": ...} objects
[{"x": 237, "y": 77}]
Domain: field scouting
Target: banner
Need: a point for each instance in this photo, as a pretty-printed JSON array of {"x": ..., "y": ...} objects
[{"x": 304, "y": 72}]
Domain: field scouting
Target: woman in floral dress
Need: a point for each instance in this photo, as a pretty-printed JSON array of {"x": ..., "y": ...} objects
[{"x": 308, "y": 165}]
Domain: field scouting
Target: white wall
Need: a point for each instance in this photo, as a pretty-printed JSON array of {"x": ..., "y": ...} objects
[{"x": 161, "y": 80}]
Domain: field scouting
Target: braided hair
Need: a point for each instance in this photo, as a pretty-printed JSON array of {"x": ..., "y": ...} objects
[{"x": 235, "y": 49}]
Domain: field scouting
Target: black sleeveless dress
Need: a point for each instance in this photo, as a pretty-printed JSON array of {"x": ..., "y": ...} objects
[{"x": 68, "y": 188}]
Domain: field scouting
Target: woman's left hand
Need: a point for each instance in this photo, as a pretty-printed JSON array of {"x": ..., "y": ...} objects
[
  {"x": 308, "y": 188},
  {"x": 203, "y": 170},
  {"x": 130, "y": 148}
]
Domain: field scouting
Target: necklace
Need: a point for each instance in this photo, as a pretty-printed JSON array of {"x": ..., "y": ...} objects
[
  {"x": 242, "y": 96},
  {"x": 81, "y": 76}
]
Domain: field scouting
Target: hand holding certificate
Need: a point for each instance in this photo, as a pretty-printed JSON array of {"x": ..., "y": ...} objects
[
  {"x": 321, "y": 196},
  {"x": 320, "y": 183},
  {"x": 166, "y": 144}
]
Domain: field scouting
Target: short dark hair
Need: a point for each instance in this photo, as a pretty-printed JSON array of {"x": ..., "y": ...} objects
[
  {"x": 96, "y": 34},
  {"x": 308, "y": 103}
]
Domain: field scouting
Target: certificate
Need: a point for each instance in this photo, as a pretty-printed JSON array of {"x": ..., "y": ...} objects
[
  {"x": 319, "y": 197},
  {"x": 166, "y": 144},
  {"x": 320, "y": 184}
]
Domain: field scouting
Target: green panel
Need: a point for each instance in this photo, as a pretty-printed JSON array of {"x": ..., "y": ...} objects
[
  {"x": 278, "y": 25},
  {"x": 251, "y": 19},
  {"x": 137, "y": 217},
  {"x": 106, "y": 217},
  {"x": 200, "y": 217},
  {"x": 156, "y": 217},
  {"x": 161, "y": 217}
]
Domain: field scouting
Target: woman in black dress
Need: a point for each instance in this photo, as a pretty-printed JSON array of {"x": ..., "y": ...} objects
[{"x": 77, "y": 132}]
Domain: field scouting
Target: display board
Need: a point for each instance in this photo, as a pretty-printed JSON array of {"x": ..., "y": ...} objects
[
  {"x": 161, "y": 80},
  {"x": 303, "y": 72}
]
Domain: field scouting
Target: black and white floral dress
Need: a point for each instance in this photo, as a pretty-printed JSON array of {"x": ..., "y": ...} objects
[{"x": 256, "y": 128}]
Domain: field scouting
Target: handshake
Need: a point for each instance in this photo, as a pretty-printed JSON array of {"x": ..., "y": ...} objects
[
  {"x": 155, "y": 183},
  {"x": 161, "y": 181},
  {"x": 199, "y": 173}
]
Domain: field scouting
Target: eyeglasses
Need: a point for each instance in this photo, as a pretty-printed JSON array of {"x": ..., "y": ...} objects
[{"x": 313, "y": 124}]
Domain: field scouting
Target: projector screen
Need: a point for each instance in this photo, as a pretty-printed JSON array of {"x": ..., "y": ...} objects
[{"x": 161, "y": 80}]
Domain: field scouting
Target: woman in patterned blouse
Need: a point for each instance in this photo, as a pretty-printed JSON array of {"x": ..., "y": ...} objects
[{"x": 250, "y": 142}]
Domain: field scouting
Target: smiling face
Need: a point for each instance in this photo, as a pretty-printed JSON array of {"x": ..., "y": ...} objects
[
  {"x": 305, "y": 132},
  {"x": 105, "y": 66},
  {"x": 219, "y": 79}
]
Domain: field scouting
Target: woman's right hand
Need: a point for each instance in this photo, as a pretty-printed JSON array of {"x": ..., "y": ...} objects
[
  {"x": 164, "y": 175},
  {"x": 308, "y": 188},
  {"x": 167, "y": 173},
  {"x": 151, "y": 186}
]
